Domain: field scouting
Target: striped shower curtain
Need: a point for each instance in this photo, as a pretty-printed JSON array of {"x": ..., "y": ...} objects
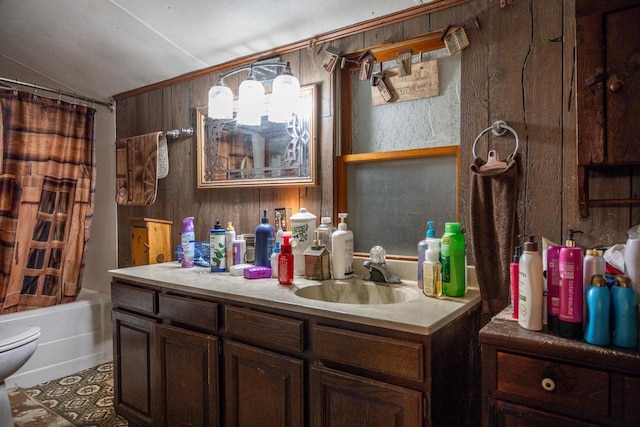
[{"x": 47, "y": 183}]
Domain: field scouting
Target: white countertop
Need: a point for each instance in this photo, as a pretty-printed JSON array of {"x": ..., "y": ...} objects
[{"x": 419, "y": 314}]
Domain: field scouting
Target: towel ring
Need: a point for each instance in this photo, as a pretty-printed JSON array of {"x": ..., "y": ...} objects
[{"x": 499, "y": 128}]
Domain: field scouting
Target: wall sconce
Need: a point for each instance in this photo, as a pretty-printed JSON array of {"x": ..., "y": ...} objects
[{"x": 285, "y": 95}]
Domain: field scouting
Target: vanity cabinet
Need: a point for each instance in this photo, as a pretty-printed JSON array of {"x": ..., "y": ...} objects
[
  {"x": 608, "y": 87},
  {"x": 165, "y": 357},
  {"x": 185, "y": 357},
  {"x": 538, "y": 378}
]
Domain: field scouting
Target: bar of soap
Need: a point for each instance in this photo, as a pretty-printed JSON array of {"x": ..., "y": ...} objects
[
  {"x": 238, "y": 269},
  {"x": 257, "y": 272}
]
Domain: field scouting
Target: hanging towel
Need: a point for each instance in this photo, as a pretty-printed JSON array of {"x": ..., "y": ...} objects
[
  {"x": 138, "y": 169},
  {"x": 494, "y": 195}
]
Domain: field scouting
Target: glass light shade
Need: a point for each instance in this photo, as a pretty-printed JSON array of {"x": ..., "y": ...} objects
[
  {"x": 285, "y": 97},
  {"x": 220, "y": 104},
  {"x": 250, "y": 102}
]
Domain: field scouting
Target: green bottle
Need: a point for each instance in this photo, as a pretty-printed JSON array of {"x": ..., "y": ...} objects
[{"x": 452, "y": 258}]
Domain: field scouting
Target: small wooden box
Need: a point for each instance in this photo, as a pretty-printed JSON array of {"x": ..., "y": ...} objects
[
  {"x": 317, "y": 263},
  {"x": 150, "y": 241}
]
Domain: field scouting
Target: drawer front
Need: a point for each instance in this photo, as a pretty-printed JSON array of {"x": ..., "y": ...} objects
[
  {"x": 563, "y": 386},
  {"x": 189, "y": 311},
  {"x": 631, "y": 400},
  {"x": 379, "y": 354},
  {"x": 133, "y": 298},
  {"x": 265, "y": 329}
]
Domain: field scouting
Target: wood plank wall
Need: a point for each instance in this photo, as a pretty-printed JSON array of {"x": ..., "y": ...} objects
[{"x": 518, "y": 68}]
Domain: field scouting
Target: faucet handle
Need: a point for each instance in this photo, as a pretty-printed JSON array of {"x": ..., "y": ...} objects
[{"x": 378, "y": 254}]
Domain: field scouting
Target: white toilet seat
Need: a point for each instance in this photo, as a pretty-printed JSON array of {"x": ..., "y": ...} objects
[{"x": 16, "y": 336}]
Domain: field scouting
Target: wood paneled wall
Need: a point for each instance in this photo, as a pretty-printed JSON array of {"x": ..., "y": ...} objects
[{"x": 518, "y": 68}]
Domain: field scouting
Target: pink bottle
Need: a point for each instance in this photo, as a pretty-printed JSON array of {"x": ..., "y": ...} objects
[
  {"x": 571, "y": 290},
  {"x": 553, "y": 287}
]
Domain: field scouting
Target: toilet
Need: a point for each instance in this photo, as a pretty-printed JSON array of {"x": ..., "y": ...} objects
[{"x": 17, "y": 345}]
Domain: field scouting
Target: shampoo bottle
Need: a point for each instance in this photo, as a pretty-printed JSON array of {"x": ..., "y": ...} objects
[
  {"x": 264, "y": 242},
  {"x": 598, "y": 302},
  {"x": 342, "y": 255},
  {"x": 432, "y": 271},
  {"x": 188, "y": 238},
  {"x": 531, "y": 287},
  {"x": 553, "y": 287},
  {"x": 624, "y": 301},
  {"x": 571, "y": 290},
  {"x": 217, "y": 248},
  {"x": 285, "y": 262},
  {"x": 229, "y": 237},
  {"x": 423, "y": 246},
  {"x": 514, "y": 281},
  {"x": 452, "y": 258}
]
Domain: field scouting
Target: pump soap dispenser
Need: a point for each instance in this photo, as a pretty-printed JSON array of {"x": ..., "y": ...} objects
[{"x": 342, "y": 255}]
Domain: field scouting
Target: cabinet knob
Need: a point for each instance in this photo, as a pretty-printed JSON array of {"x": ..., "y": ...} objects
[
  {"x": 548, "y": 384},
  {"x": 615, "y": 85}
]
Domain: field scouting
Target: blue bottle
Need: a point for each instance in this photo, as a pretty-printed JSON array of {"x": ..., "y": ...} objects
[
  {"x": 625, "y": 313},
  {"x": 598, "y": 301},
  {"x": 264, "y": 242}
]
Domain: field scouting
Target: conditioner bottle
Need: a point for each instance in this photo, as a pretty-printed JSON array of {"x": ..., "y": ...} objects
[
  {"x": 571, "y": 290},
  {"x": 598, "y": 302},
  {"x": 530, "y": 289},
  {"x": 625, "y": 313}
]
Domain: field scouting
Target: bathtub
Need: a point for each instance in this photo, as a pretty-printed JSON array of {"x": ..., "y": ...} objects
[{"x": 74, "y": 336}]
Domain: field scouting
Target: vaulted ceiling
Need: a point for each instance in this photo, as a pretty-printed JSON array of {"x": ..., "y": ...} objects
[{"x": 99, "y": 48}]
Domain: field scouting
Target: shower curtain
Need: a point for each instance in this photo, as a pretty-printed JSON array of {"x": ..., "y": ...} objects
[{"x": 47, "y": 183}]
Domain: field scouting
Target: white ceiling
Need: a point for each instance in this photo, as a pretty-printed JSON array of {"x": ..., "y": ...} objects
[{"x": 99, "y": 48}]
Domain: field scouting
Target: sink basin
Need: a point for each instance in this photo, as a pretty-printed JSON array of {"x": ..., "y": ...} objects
[{"x": 346, "y": 292}]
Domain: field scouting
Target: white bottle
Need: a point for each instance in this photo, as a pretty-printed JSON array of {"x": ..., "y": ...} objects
[
  {"x": 274, "y": 260},
  {"x": 342, "y": 255},
  {"x": 229, "y": 237},
  {"x": 530, "y": 290},
  {"x": 432, "y": 270},
  {"x": 593, "y": 264}
]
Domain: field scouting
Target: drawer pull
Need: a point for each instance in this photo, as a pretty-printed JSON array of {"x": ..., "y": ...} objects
[{"x": 548, "y": 384}]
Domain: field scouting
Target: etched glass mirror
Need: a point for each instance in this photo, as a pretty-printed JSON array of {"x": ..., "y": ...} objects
[{"x": 269, "y": 155}]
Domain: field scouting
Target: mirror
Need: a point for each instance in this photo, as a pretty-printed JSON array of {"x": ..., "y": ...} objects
[{"x": 269, "y": 155}]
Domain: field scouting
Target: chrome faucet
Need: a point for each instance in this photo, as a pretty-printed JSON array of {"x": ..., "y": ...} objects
[{"x": 377, "y": 267}]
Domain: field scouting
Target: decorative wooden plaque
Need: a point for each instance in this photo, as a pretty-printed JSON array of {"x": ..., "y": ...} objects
[{"x": 423, "y": 82}]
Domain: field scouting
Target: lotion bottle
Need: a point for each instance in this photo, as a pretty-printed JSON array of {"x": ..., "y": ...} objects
[
  {"x": 264, "y": 242},
  {"x": 285, "y": 262},
  {"x": 571, "y": 290},
  {"x": 432, "y": 271},
  {"x": 598, "y": 302},
  {"x": 625, "y": 313},
  {"x": 188, "y": 238},
  {"x": 531, "y": 288},
  {"x": 423, "y": 246},
  {"x": 342, "y": 255}
]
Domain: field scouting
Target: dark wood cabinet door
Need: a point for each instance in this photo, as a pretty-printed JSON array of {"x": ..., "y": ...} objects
[
  {"x": 262, "y": 388},
  {"x": 508, "y": 415},
  {"x": 338, "y": 399},
  {"x": 133, "y": 347},
  {"x": 608, "y": 82},
  {"x": 186, "y": 377}
]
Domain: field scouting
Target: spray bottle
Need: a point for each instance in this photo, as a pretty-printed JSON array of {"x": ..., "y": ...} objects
[
  {"x": 514, "y": 279},
  {"x": 342, "y": 255},
  {"x": 531, "y": 287},
  {"x": 217, "y": 248},
  {"x": 264, "y": 242},
  {"x": 229, "y": 237},
  {"x": 571, "y": 290},
  {"x": 188, "y": 238}
]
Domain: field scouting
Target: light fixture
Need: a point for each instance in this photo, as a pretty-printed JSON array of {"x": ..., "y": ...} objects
[{"x": 285, "y": 94}]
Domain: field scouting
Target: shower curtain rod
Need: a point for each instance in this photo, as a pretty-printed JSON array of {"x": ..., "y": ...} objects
[{"x": 110, "y": 105}]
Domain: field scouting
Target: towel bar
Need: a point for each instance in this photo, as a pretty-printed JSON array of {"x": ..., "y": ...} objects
[{"x": 177, "y": 133}]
